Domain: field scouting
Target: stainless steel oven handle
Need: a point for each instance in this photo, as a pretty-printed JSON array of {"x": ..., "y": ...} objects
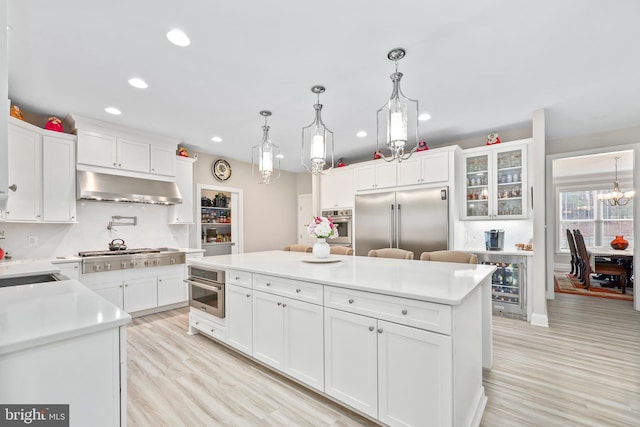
[{"x": 202, "y": 285}]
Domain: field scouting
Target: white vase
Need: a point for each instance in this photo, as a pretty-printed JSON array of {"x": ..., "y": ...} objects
[{"x": 321, "y": 248}]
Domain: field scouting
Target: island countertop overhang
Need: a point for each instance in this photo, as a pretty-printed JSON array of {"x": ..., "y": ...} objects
[{"x": 437, "y": 282}]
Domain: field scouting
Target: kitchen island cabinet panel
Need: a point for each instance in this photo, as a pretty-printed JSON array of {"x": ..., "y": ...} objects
[
  {"x": 303, "y": 342},
  {"x": 239, "y": 315},
  {"x": 268, "y": 337}
]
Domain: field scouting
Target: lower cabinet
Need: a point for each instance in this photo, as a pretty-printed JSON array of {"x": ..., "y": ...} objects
[
  {"x": 398, "y": 374},
  {"x": 140, "y": 294},
  {"x": 171, "y": 289},
  {"x": 238, "y": 314},
  {"x": 288, "y": 335}
]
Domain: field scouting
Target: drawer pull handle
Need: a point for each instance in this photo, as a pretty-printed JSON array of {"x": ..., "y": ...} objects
[
  {"x": 350, "y": 300},
  {"x": 197, "y": 323},
  {"x": 380, "y": 330},
  {"x": 284, "y": 305},
  {"x": 237, "y": 278},
  {"x": 268, "y": 284},
  {"x": 404, "y": 312},
  {"x": 371, "y": 328},
  {"x": 213, "y": 330},
  {"x": 297, "y": 290},
  {"x": 248, "y": 295},
  {"x": 279, "y": 304}
]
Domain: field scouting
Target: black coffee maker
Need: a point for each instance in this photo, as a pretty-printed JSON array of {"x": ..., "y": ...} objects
[{"x": 494, "y": 240}]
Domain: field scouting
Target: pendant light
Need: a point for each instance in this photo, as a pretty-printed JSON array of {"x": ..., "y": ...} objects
[
  {"x": 266, "y": 155},
  {"x": 317, "y": 140},
  {"x": 616, "y": 197},
  {"x": 398, "y": 118}
]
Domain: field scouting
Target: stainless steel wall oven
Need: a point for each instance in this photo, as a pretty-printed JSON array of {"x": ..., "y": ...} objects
[
  {"x": 344, "y": 220},
  {"x": 206, "y": 290}
]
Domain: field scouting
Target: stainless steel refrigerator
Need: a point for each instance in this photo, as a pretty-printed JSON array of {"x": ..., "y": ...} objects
[{"x": 414, "y": 220}]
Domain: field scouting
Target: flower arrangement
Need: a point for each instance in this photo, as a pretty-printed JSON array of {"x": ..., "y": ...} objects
[{"x": 322, "y": 228}]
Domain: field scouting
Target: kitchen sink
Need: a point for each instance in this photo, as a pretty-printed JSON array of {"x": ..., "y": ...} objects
[{"x": 29, "y": 280}]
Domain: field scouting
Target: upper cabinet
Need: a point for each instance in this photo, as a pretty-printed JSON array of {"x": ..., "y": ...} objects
[
  {"x": 336, "y": 189},
  {"x": 495, "y": 182},
  {"x": 183, "y": 213},
  {"x": 375, "y": 174},
  {"x": 41, "y": 175},
  {"x": 425, "y": 168},
  {"x": 110, "y": 147}
]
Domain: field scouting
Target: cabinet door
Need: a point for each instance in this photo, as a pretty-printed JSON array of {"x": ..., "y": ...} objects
[
  {"x": 410, "y": 172},
  {"x": 171, "y": 290},
  {"x": 477, "y": 187},
  {"x": 511, "y": 186},
  {"x": 434, "y": 167},
  {"x": 337, "y": 189},
  {"x": 97, "y": 149},
  {"x": 351, "y": 360},
  {"x": 268, "y": 320},
  {"x": 133, "y": 155},
  {"x": 69, "y": 269},
  {"x": 112, "y": 292},
  {"x": 183, "y": 212},
  {"x": 304, "y": 342},
  {"x": 414, "y": 376},
  {"x": 239, "y": 317},
  {"x": 386, "y": 174},
  {"x": 365, "y": 177},
  {"x": 59, "y": 180},
  {"x": 163, "y": 161},
  {"x": 25, "y": 172},
  {"x": 140, "y": 294}
]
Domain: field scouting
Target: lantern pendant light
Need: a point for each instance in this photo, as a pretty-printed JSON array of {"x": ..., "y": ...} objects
[
  {"x": 398, "y": 119},
  {"x": 317, "y": 141},
  {"x": 616, "y": 197},
  {"x": 267, "y": 155}
]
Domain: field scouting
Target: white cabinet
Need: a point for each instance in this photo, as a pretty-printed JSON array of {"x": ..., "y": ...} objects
[
  {"x": 70, "y": 269},
  {"x": 288, "y": 335},
  {"x": 239, "y": 316},
  {"x": 337, "y": 189},
  {"x": 183, "y": 213},
  {"x": 395, "y": 373},
  {"x": 42, "y": 168},
  {"x": 140, "y": 294},
  {"x": 163, "y": 160},
  {"x": 59, "y": 180},
  {"x": 110, "y": 151},
  {"x": 424, "y": 168},
  {"x": 172, "y": 289},
  {"x": 375, "y": 174},
  {"x": 495, "y": 180},
  {"x": 133, "y": 155}
]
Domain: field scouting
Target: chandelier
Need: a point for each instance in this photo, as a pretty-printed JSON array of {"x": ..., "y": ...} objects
[
  {"x": 398, "y": 118},
  {"x": 317, "y": 140},
  {"x": 616, "y": 197},
  {"x": 266, "y": 155}
]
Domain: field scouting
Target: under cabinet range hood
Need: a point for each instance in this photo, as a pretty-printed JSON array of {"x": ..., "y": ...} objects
[{"x": 117, "y": 188}]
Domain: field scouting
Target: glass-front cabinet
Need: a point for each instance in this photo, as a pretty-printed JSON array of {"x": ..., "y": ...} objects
[{"x": 495, "y": 182}]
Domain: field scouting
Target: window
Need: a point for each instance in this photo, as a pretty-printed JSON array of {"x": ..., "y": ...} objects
[{"x": 598, "y": 223}]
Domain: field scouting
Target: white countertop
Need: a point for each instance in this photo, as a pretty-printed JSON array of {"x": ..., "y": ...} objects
[
  {"x": 439, "y": 282},
  {"x": 22, "y": 268},
  {"x": 33, "y": 315},
  {"x": 516, "y": 252}
]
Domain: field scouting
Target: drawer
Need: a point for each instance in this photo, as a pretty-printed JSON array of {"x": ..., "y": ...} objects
[
  {"x": 302, "y": 291},
  {"x": 419, "y": 314},
  {"x": 240, "y": 278},
  {"x": 207, "y": 327}
]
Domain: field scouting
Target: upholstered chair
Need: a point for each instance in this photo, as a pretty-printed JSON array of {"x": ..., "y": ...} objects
[
  {"x": 341, "y": 250},
  {"x": 449, "y": 256},
  {"x": 391, "y": 253},
  {"x": 298, "y": 248}
]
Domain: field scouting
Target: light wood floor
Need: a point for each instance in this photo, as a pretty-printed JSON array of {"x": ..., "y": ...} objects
[{"x": 582, "y": 371}]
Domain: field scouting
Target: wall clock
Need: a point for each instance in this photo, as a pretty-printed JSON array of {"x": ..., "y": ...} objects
[{"x": 221, "y": 170}]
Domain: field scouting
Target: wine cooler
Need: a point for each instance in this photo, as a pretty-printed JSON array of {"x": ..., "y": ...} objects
[{"x": 508, "y": 284}]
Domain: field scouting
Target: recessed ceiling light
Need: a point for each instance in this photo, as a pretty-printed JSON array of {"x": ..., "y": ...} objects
[
  {"x": 178, "y": 38},
  {"x": 216, "y": 139},
  {"x": 280, "y": 156},
  {"x": 361, "y": 134},
  {"x": 139, "y": 83},
  {"x": 424, "y": 116},
  {"x": 113, "y": 110}
]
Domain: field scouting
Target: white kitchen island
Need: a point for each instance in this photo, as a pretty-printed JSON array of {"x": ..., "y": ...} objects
[
  {"x": 60, "y": 343},
  {"x": 402, "y": 342}
]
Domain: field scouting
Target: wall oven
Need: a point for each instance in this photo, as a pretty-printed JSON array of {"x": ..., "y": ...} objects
[
  {"x": 206, "y": 290},
  {"x": 344, "y": 220}
]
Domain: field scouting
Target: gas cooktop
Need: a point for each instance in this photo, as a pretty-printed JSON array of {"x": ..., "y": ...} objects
[{"x": 120, "y": 252}]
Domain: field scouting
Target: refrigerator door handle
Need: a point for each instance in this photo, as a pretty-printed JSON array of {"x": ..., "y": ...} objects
[
  {"x": 398, "y": 216},
  {"x": 391, "y": 223}
]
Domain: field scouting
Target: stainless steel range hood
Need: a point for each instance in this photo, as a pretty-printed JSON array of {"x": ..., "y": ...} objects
[{"x": 117, "y": 188}]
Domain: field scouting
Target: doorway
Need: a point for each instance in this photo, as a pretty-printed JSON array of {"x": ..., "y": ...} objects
[
  {"x": 305, "y": 214},
  {"x": 219, "y": 221},
  {"x": 573, "y": 181}
]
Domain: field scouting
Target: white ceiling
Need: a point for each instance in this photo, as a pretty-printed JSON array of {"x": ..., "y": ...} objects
[
  {"x": 476, "y": 66},
  {"x": 594, "y": 164}
]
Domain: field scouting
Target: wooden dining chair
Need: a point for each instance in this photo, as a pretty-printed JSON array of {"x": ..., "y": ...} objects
[
  {"x": 391, "y": 253},
  {"x": 449, "y": 256},
  {"x": 599, "y": 265},
  {"x": 574, "y": 255}
]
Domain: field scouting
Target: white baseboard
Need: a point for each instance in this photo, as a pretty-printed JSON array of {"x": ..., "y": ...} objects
[{"x": 538, "y": 319}]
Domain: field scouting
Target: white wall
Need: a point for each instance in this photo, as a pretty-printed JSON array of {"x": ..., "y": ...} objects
[
  {"x": 469, "y": 235},
  {"x": 91, "y": 234}
]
